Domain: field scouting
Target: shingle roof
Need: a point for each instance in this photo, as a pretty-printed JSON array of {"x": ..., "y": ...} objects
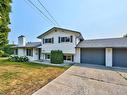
[
  {"x": 55, "y": 28},
  {"x": 103, "y": 43},
  {"x": 31, "y": 44}
]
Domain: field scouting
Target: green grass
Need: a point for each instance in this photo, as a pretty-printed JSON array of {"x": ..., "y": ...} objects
[
  {"x": 26, "y": 64},
  {"x": 17, "y": 78}
]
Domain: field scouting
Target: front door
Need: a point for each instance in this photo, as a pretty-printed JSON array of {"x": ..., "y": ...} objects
[{"x": 39, "y": 53}]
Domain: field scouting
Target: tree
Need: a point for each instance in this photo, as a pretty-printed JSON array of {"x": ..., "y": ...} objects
[
  {"x": 8, "y": 50},
  {"x": 5, "y": 9},
  {"x": 125, "y": 35}
]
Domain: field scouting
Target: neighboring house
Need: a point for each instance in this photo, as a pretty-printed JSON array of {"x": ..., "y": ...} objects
[{"x": 109, "y": 52}]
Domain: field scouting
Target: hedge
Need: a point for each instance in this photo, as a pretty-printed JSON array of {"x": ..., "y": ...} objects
[{"x": 57, "y": 57}]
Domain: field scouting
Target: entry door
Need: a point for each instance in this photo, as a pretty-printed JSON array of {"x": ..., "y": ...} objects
[{"x": 39, "y": 53}]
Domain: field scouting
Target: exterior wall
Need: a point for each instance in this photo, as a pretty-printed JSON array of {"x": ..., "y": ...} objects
[
  {"x": 35, "y": 54},
  {"x": 77, "y": 55},
  {"x": 108, "y": 57},
  {"x": 22, "y": 52},
  {"x": 66, "y": 47}
]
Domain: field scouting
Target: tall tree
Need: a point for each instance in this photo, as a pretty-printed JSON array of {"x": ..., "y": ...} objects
[
  {"x": 125, "y": 35},
  {"x": 5, "y": 9}
]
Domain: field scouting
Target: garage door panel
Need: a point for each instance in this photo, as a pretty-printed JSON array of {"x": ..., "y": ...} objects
[
  {"x": 120, "y": 57},
  {"x": 93, "y": 56}
]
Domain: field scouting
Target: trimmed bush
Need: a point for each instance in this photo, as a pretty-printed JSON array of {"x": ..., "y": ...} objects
[
  {"x": 14, "y": 58},
  {"x": 57, "y": 57}
]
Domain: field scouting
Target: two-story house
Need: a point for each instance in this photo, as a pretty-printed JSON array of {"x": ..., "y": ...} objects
[
  {"x": 53, "y": 39},
  {"x": 107, "y": 52}
]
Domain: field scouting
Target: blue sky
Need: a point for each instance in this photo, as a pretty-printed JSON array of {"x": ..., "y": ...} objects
[{"x": 93, "y": 18}]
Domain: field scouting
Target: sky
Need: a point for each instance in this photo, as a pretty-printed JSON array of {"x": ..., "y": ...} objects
[{"x": 93, "y": 18}]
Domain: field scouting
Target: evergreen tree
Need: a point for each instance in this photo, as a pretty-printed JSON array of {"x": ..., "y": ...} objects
[{"x": 5, "y": 9}]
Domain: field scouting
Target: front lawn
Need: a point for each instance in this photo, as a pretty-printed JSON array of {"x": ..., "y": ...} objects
[{"x": 25, "y": 78}]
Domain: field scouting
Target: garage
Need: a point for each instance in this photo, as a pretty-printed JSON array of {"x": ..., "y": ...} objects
[
  {"x": 94, "y": 56},
  {"x": 120, "y": 57}
]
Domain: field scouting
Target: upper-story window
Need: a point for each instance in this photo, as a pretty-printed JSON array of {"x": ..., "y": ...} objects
[
  {"x": 48, "y": 40},
  {"x": 65, "y": 39}
]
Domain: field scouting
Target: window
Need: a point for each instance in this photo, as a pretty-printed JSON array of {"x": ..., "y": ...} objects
[
  {"x": 48, "y": 40},
  {"x": 29, "y": 52},
  {"x": 47, "y": 56},
  {"x": 64, "y": 58},
  {"x": 68, "y": 57},
  {"x": 16, "y": 51},
  {"x": 65, "y": 39}
]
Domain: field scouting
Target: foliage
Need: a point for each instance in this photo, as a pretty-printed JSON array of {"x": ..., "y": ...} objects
[
  {"x": 125, "y": 35},
  {"x": 1, "y": 53},
  {"x": 57, "y": 57},
  {"x": 8, "y": 50},
  {"x": 13, "y": 58},
  {"x": 5, "y": 9}
]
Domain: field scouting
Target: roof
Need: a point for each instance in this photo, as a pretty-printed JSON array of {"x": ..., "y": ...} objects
[
  {"x": 21, "y": 36},
  {"x": 56, "y": 28},
  {"x": 31, "y": 45},
  {"x": 103, "y": 43}
]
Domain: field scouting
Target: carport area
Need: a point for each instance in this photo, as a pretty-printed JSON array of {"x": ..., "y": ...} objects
[{"x": 82, "y": 79}]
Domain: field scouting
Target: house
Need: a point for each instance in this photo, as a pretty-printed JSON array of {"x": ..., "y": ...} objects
[
  {"x": 107, "y": 52},
  {"x": 53, "y": 39}
]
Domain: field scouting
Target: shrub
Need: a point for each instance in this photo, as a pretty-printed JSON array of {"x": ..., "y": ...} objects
[
  {"x": 57, "y": 57},
  {"x": 18, "y": 59},
  {"x": 5, "y": 55},
  {"x": 1, "y": 53}
]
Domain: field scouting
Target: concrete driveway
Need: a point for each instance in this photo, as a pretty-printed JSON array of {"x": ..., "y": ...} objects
[{"x": 87, "y": 80}]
